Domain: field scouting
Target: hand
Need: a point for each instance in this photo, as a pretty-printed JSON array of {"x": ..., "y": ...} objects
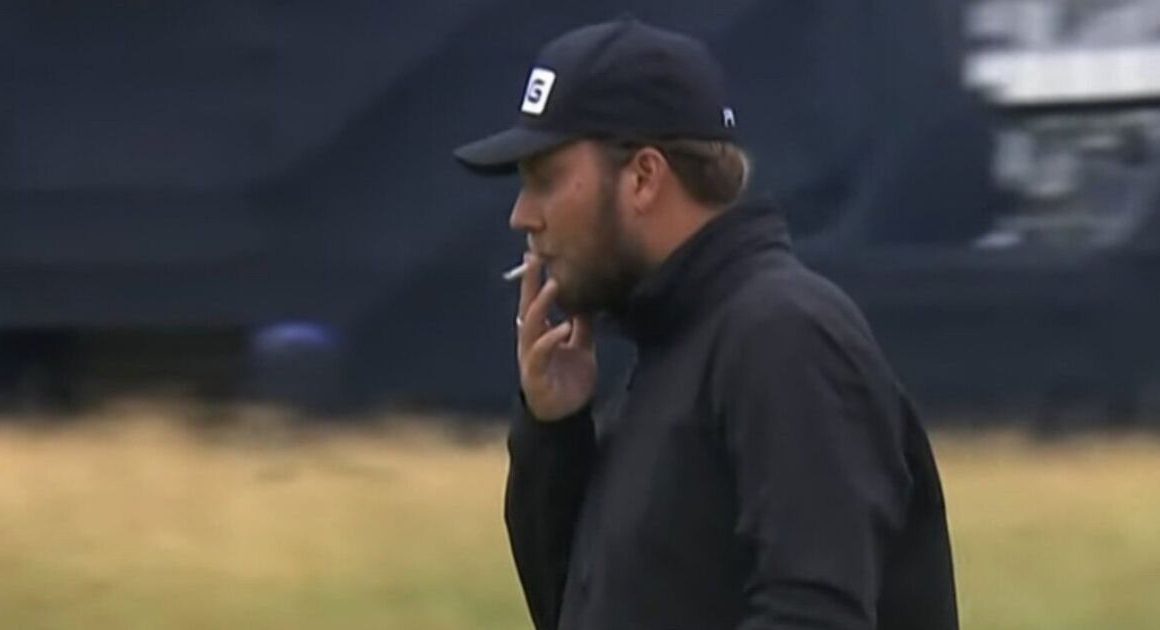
[{"x": 557, "y": 363}]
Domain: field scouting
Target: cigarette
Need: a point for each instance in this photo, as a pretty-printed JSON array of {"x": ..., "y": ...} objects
[{"x": 515, "y": 273}]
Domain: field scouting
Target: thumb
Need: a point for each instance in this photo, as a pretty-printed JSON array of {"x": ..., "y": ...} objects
[{"x": 582, "y": 333}]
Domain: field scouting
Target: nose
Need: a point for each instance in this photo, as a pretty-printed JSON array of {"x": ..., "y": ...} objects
[{"x": 525, "y": 217}]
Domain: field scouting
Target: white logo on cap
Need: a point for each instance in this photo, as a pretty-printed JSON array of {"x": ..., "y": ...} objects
[
  {"x": 539, "y": 89},
  {"x": 730, "y": 119}
]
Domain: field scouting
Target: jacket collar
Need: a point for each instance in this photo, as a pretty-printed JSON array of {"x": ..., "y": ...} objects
[{"x": 701, "y": 272}]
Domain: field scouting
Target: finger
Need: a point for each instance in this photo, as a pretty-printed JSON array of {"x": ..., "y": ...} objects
[
  {"x": 530, "y": 283},
  {"x": 536, "y": 317},
  {"x": 582, "y": 333},
  {"x": 540, "y": 352}
]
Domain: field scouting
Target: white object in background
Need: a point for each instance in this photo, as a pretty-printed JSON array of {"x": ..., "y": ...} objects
[{"x": 1066, "y": 76}]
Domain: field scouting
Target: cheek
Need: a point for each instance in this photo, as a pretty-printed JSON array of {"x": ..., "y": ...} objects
[{"x": 571, "y": 220}]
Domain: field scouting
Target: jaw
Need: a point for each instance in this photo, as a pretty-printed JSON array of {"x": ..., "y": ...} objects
[{"x": 590, "y": 291}]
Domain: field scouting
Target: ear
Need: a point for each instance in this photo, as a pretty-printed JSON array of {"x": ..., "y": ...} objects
[{"x": 647, "y": 173}]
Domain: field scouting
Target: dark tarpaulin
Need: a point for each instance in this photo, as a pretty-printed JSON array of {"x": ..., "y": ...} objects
[{"x": 232, "y": 163}]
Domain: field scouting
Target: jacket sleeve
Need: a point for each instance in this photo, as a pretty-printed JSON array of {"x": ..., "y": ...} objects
[
  {"x": 549, "y": 468},
  {"x": 815, "y": 446}
]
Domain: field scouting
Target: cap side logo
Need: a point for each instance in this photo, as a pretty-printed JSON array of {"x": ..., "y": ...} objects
[
  {"x": 729, "y": 118},
  {"x": 539, "y": 89}
]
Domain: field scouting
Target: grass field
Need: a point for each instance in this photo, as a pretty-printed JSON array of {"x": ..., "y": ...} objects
[{"x": 141, "y": 524}]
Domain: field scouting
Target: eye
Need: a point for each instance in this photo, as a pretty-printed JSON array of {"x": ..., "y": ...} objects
[{"x": 539, "y": 181}]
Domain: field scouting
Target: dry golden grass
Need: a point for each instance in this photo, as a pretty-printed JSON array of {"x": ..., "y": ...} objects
[
  {"x": 1056, "y": 536},
  {"x": 139, "y": 523}
]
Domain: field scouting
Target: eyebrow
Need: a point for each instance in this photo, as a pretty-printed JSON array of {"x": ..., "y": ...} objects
[{"x": 541, "y": 165}]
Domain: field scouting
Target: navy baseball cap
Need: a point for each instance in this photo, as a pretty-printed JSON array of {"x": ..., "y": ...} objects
[{"x": 622, "y": 79}]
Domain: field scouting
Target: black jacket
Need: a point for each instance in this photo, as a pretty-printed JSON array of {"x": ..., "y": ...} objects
[{"x": 762, "y": 469}]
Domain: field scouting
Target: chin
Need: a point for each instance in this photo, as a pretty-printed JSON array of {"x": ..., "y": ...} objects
[
  {"x": 554, "y": 272},
  {"x": 573, "y": 305},
  {"x": 578, "y": 296},
  {"x": 566, "y": 300}
]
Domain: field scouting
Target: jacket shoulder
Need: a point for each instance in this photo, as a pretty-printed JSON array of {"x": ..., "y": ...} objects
[
  {"x": 792, "y": 299},
  {"x": 789, "y": 315}
]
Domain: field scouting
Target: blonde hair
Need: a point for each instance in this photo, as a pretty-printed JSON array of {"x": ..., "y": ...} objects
[{"x": 713, "y": 172}]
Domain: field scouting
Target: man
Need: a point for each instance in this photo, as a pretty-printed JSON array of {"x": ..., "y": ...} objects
[{"x": 762, "y": 467}]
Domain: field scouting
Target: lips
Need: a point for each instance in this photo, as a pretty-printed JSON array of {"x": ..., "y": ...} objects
[{"x": 531, "y": 246}]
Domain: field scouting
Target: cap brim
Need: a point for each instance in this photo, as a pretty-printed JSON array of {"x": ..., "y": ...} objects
[{"x": 499, "y": 154}]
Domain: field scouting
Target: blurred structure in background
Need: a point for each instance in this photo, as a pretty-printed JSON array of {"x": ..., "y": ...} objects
[
  {"x": 178, "y": 178},
  {"x": 297, "y": 364}
]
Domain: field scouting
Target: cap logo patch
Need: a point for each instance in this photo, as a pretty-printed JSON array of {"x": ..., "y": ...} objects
[
  {"x": 729, "y": 118},
  {"x": 539, "y": 89}
]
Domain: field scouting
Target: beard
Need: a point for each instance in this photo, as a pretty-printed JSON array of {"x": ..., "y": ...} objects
[{"x": 604, "y": 282}]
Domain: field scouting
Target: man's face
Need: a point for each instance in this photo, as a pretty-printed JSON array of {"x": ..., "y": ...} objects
[{"x": 570, "y": 209}]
